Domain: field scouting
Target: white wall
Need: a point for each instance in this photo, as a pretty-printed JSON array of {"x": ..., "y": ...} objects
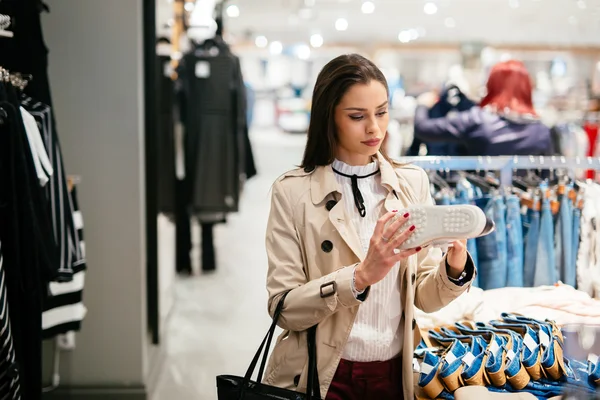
[{"x": 96, "y": 65}]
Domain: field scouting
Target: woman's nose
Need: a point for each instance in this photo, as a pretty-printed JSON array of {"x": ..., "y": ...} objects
[{"x": 372, "y": 126}]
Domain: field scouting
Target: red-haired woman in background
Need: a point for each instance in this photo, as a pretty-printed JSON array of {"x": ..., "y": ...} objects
[{"x": 505, "y": 123}]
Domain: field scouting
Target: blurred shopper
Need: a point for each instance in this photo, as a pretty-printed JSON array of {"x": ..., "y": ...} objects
[
  {"x": 333, "y": 248},
  {"x": 504, "y": 123}
]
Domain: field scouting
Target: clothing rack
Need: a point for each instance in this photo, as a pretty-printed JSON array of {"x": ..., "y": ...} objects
[{"x": 504, "y": 164}]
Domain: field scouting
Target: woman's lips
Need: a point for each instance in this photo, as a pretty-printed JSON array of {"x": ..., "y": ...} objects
[{"x": 372, "y": 142}]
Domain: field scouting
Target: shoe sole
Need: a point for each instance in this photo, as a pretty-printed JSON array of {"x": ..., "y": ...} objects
[{"x": 440, "y": 225}]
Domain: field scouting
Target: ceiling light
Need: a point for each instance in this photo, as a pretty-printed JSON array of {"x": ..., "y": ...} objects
[
  {"x": 404, "y": 36},
  {"x": 341, "y": 24},
  {"x": 261, "y": 42},
  {"x": 414, "y": 35},
  {"x": 368, "y": 7},
  {"x": 316, "y": 40},
  {"x": 573, "y": 20},
  {"x": 581, "y": 4},
  {"x": 450, "y": 22},
  {"x": 275, "y": 48},
  {"x": 189, "y": 7},
  {"x": 303, "y": 52},
  {"x": 233, "y": 11},
  {"x": 430, "y": 8},
  {"x": 513, "y": 3}
]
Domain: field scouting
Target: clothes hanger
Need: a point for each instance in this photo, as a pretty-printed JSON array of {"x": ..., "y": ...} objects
[
  {"x": 479, "y": 182},
  {"x": 5, "y": 22},
  {"x": 437, "y": 180}
]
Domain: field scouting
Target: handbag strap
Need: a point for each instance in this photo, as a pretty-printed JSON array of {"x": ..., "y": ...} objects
[
  {"x": 266, "y": 340},
  {"x": 313, "y": 388}
]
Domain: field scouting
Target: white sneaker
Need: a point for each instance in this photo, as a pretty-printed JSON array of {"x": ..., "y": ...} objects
[{"x": 440, "y": 225}]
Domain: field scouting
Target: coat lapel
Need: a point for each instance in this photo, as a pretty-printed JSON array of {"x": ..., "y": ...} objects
[
  {"x": 323, "y": 183},
  {"x": 346, "y": 229}
]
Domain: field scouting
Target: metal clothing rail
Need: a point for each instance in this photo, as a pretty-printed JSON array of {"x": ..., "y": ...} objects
[{"x": 504, "y": 164}]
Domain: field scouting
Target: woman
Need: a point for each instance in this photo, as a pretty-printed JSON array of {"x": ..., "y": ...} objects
[
  {"x": 338, "y": 258},
  {"x": 505, "y": 123}
]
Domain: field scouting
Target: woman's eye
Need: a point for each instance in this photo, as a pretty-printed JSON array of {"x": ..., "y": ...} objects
[
  {"x": 356, "y": 117},
  {"x": 381, "y": 114}
]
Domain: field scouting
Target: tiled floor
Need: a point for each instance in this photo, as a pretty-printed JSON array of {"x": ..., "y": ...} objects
[{"x": 218, "y": 320}]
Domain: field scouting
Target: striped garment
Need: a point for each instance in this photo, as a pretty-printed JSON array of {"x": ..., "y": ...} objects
[
  {"x": 63, "y": 308},
  {"x": 65, "y": 234},
  {"x": 10, "y": 388}
]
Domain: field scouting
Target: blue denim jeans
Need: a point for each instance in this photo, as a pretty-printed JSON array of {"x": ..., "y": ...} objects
[
  {"x": 564, "y": 242},
  {"x": 579, "y": 379},
  {"x": 514, "y": 242},
  {"x": 531, "y": 224},
  {"x": 514, "y": 351},
  {"x": 530, "y": 356},
  {"x": 492, "y": 249},
  {"x": 433, "y": 362},
  {"x": 545, "y": 266},
  {"x": 575, "y": 238},
  {"x": 496, "y": 350},
  {"x": 593, "y": 370},
  {"x": 463, "y": 198}
]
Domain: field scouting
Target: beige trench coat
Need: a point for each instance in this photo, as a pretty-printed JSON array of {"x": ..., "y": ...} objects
[{"x": 312, "y": 244}]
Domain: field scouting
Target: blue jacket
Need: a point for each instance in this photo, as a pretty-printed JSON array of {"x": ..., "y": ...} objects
[
  {"x": 451, "y": 99},
  {"x": 485, "y": 133}
]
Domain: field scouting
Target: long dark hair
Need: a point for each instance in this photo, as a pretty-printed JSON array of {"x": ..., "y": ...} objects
[{"x": 333, "y": 82}]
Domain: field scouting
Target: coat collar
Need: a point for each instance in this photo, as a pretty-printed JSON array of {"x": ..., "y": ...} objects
[{"x": 323, "y": 182}]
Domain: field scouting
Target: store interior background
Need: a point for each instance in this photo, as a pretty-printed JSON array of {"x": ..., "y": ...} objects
[{"x": 150, "y": 334}]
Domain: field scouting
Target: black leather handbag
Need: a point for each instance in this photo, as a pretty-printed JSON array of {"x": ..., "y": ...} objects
[{"x": 231, "y": 387}]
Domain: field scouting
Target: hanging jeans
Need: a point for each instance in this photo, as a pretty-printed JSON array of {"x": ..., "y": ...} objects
[
  {"x": 531, "y": 224},
  {"x": 545, "y": 265},
  {"x": 564, "y": 242},
  {"x": 491, "y": 249},
  {"x": 514, "y": 236},
  {"x": 463, "y": 198}
]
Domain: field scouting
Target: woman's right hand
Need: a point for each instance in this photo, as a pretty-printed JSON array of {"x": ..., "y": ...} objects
[{"x": 383, "y": 251}]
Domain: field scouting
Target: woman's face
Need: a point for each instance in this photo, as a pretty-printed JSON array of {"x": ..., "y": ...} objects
[{"x": 361, "y": 120}]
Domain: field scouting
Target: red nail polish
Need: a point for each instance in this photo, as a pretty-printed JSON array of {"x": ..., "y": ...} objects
[
  {"x": 394, "y": 210},
  {"x": 418, "y": 249},
  {"x": 412, "y": 228},
  {"x": 406, "y": 215}
]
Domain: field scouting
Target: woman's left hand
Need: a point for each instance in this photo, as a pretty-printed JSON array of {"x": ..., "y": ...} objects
[{"x": 457, "y": 258}]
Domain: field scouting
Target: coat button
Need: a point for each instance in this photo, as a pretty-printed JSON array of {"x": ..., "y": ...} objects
[
  {"x": 326, "y": 246},
  {"x": 413, "y": 278},
  {"x": 330, "y": 204},
  {"x": 414, "y": 324}
]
